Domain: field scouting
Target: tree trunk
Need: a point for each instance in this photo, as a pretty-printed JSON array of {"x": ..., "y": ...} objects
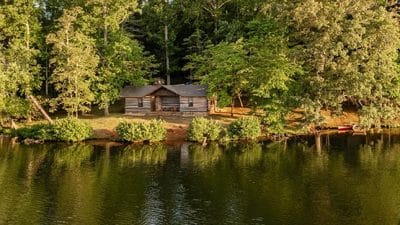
[
  {"x": 76, "y": 97},
  {"x": 13, "y": 124},
  {"x": 167, "y": 67},
  {"x": 28, "y": 34},
  {"x": 106, "y": 110},
  {"x": 37, "y": 105},
  {"x": 166, "y": 40},
  {"x": 232, "y": 106},
  {"x": 240, "y": 100},
  {"x": 47, "y": 78},
  {"x": 29, "y": 119},
  {"x": 105, "y": 43}
]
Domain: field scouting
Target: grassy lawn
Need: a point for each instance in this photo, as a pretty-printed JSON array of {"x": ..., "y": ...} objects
[{"x": 104, "y": 126}]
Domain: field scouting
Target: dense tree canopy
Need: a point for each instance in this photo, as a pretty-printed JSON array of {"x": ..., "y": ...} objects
[
  {"x": 349, "y": 51},
  {"x": 280, "y": 56}
]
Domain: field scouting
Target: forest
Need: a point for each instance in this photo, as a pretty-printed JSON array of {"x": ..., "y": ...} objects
[{"x": 281, "y": 56}]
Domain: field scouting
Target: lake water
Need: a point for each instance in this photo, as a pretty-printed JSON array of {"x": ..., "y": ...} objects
[{"x": 349, "y": 180}]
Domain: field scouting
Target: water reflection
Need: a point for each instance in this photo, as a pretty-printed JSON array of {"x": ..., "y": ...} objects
[
  {"x": 133, "y": 155},
  {"x": 72, "y": 156},
  {"x": 248, "y": 154},
  {"x": 205, "y": 156},
  {"x": 352, "y": 180}
]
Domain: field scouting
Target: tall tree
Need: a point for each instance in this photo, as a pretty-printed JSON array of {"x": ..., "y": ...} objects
[
  {"x": 271, "y": 71},
  {"x": 19, "y": 44},
  {"x": 348, "y": 50},
  {"x": 122, "y": 59},
  {"x": 223, "y": 68},
  {"x": 75, "y": 61},
  {"x": 156, "y": 27}
]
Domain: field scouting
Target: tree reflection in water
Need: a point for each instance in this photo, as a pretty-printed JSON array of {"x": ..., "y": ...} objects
[
  {"x": 352, "y": 180},
  {"x": 133, "y": 155},
  {"x": 205, "y": 156},
  {"x": 72, "y": 156},
  {"x": 247, "y": 153}
]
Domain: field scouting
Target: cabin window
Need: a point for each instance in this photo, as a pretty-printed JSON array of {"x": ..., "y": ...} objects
[
  {"x": 140, "y": 102},
  {"x": 190, "y": 102}
]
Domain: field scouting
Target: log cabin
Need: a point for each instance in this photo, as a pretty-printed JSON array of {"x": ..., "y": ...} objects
[{"x": 185, "y": 100}]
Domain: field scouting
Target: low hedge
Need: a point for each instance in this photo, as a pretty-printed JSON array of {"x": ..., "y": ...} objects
[
  {"x": 68, "y": 130},
  {"x": 151, "y": 131},
  {"x": 245, "y": 128},
  {"x": 72, "y": 130},
  {"x": 201, "y": 128},
  {"x": 43, "y": 132}
]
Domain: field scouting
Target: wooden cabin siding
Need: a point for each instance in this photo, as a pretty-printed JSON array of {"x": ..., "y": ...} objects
[
  {"x": 132, "y": 106},
  {"x": 200, "y": 104},
  {"x": 169, "y": 103}
]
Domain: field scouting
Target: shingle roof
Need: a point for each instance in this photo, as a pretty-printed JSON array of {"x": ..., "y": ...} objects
[
  {"x": 130, "y": 91},
  {"x": 179, "y": 89}
]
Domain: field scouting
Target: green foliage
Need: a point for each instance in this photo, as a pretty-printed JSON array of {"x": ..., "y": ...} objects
[
  {"x": 133, "y": 155},
  {"x": 16, "y": 107},
  {"x": 72, "y": 156},
  {"x": 122, "y": 58},
  {"x": 207, "y": 156},
  {"x": 200, "y": 128},
  {"x": 348, "y": 52},
  {"x": 369, "y": 116},
  {"x": 68, "y": 130},
  {"x": 19, "y": 42},
  {"x": 75, "y": 61},
  {"x": 311, "y": 55},
  {"x": 72, "y": 130},
  {"x": 224, "y": 69},
  {"x": 44, "y": 132},
  {"x": 245, "y": 128},
  {"x": 152, "y": 131}
]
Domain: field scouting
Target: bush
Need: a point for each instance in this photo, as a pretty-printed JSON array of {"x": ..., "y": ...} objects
[
  {"x": 142, "y": 131},
  {"x": 43, "y": 132},
  {"x": 245, "y": 128},
  {"x": 369, "y": 117},
  {"x": 71, "y": 130},
  {"x": 201, "y": 127}
]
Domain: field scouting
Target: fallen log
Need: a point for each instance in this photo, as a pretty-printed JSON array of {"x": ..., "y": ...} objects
[{"x": 39, "y": 107}]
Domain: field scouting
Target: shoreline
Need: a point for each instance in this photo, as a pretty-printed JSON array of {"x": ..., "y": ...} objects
[
  {"x": 113, "y": 141},
  {"x": 177, "y": 127}
]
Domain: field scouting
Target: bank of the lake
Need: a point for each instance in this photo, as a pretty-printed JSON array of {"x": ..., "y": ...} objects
[{"x": 177, "y": 126}]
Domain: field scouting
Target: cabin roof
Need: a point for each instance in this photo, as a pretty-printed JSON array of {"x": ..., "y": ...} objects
[{"x": 179, "y": 89}]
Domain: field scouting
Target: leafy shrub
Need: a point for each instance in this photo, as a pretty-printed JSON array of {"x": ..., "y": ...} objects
[
  {"x": 43, "y": 132},
  {"x": 153, "y": 130},
  {"x": 71, "y": 130},
  {"x": 201, "y": 127},
  {"x": 245, "y": 128}
]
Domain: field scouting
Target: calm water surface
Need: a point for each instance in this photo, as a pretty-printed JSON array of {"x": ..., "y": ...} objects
[{"x": 351, "y": 180}]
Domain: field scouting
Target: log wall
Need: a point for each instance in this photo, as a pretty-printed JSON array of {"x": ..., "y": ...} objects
[
  {"x": 200, "y": 104},
  {"x": 132, "y": 106}
]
